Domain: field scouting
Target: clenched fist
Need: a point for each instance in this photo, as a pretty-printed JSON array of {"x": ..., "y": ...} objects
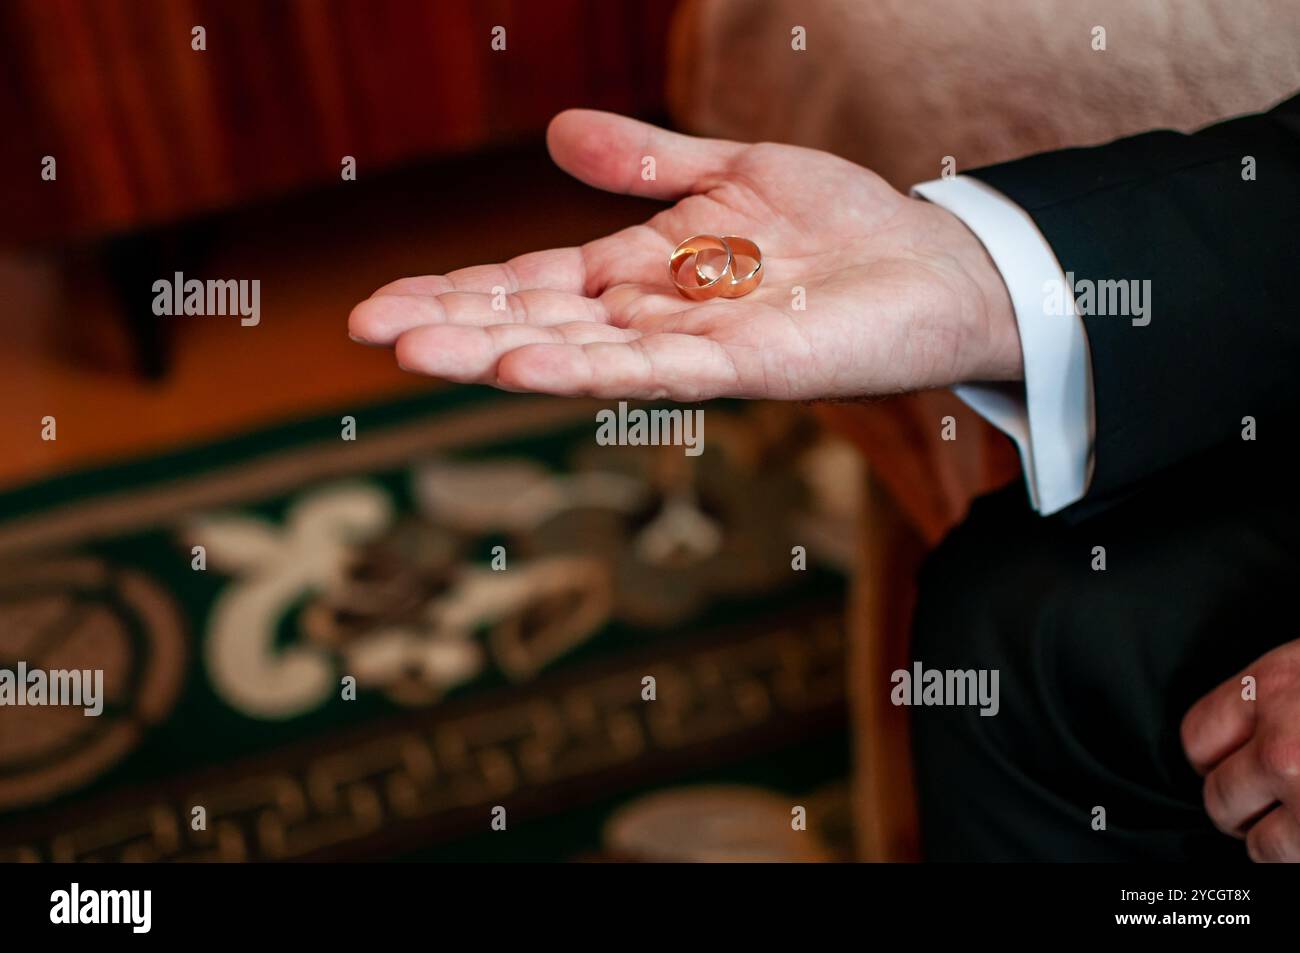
[{"x": 1245, "y": 738}]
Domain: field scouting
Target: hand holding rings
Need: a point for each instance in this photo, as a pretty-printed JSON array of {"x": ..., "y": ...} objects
[{"x": 726, "y": 283}]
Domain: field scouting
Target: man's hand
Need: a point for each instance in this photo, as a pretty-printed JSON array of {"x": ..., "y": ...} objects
[
  {"x": 1249, "y": 752},
  {"x": 900, "y": 295}
]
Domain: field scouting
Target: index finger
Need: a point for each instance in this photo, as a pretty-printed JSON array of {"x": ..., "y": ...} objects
[
  {"x": 1218, "y": 724},
  {"x": 555, "y": 269}
]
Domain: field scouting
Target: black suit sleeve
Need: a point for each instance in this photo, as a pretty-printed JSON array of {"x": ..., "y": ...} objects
[{"x": 1221, "y": 253}]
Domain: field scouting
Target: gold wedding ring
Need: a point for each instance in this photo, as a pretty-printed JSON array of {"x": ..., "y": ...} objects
[
  {"x": 689, "y": 249},
  {"x": 725, "y": 283},
  {"x": 741, "y": 285}
]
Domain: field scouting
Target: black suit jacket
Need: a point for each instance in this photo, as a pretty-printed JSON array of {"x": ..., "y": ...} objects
[
  {"x": 1221, "y": 252},
  {"x": 1200, "y": 527}
]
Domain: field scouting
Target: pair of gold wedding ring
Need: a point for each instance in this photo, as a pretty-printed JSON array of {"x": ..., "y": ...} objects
[{"x": 726, "y": 283}]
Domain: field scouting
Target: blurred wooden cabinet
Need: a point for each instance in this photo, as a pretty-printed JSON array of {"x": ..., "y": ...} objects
[{"x": 145, "y": 129}]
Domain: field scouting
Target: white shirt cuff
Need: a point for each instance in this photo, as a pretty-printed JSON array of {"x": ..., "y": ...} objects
[{"x": 1051, "y": 420}]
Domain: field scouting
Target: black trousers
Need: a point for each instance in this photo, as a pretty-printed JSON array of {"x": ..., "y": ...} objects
[{"x": 1096, "y": 667}]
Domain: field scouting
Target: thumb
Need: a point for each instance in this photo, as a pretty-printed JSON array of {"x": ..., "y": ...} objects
[{"x": 610, "y": 152}]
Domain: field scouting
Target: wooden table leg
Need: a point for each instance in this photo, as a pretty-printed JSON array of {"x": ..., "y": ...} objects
[{"x": 883, "y": 596}]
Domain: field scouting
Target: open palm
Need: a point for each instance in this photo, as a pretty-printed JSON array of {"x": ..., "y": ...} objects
[{"x": 895, "y": 294}]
